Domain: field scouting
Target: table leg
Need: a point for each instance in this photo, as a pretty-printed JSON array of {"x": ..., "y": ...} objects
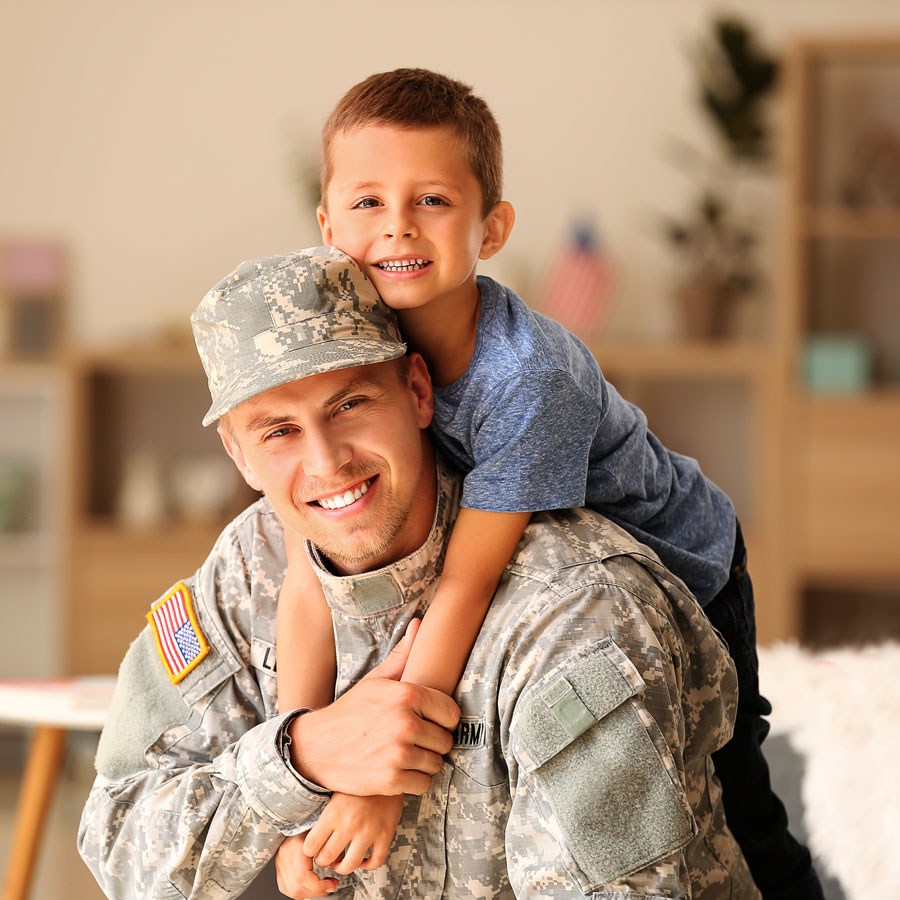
[{"x": 41, "y": 775}]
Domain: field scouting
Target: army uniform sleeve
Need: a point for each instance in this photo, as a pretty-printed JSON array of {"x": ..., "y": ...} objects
[
  {"x": 610, "y": 789},
  {"x": 193, "y": 793}
]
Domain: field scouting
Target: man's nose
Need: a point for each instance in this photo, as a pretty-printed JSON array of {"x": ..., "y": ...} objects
[{"x": 325, "y": 453}]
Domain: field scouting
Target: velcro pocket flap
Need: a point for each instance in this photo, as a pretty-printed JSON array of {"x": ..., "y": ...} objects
[
  {"x": 575, "y": 696},
  {"x": 599, "y": 768}
]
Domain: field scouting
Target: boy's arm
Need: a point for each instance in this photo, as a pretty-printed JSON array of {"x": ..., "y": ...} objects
[
  {"x": 305, "y": 679},
  {"x": 481, "y": 545}
]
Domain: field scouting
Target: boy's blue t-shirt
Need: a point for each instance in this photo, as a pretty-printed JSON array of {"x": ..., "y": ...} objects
[{"x": 537, "y": 426}]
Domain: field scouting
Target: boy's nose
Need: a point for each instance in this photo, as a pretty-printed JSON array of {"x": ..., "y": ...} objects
[{"x": 400, "y": 228}]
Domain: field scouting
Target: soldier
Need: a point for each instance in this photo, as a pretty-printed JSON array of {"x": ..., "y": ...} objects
[{"x": 582, "y": 728}]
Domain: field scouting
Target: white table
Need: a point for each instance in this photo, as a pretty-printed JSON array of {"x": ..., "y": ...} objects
[{"x": 52, "y": 708}]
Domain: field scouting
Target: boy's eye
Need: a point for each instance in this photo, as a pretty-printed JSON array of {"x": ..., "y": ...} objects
[
  {"x": 433, "y": 200},
  {"x": 366, "y": 203},
  {"x": 349, "y": 404}
]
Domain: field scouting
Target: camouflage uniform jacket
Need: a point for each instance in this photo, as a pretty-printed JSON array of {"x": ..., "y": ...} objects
[{"x": 590, "y": 704}]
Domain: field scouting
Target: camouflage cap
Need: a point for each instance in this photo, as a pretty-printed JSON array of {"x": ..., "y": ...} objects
[{"x": 274, "y": 320}]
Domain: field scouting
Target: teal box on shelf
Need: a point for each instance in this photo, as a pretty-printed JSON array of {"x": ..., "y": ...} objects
[{"x": 837, "y": 364}]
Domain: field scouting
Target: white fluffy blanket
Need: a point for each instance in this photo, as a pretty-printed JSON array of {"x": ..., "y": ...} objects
[{"x": 840, "y": 710}]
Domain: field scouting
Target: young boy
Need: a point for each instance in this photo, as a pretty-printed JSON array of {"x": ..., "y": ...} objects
[{"x": 411, "y": 181}]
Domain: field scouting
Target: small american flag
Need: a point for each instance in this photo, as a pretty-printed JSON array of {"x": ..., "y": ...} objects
[
  {"x": 576, "y": 291},
  {"x": 180, "y": 641}
]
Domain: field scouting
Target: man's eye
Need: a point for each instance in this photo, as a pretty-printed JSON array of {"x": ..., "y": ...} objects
[
  {"x": 433, "y": 200},
  {"x": 349, "y": 404},
  {"x": 284, "y": 431},
  {"x": 366, "y": 203}
]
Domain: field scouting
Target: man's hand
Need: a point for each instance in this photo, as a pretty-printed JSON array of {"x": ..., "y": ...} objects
[
  {"x": 382, "y": 736},
  {"x": 294, "y": 870}
]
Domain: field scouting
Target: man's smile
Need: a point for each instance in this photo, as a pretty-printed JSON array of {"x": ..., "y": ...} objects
[{"x": 344, "y": 498}]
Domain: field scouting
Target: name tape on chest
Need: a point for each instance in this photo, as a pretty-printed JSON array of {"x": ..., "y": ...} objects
[
  {"x": 179, "y": 640},
  {"x": 469, "y": 734}
]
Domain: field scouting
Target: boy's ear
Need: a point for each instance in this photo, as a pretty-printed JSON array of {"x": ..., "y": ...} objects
[
  {"x": 324, "y": 226},
  {"x": 497, "y": 227},
  {"x": 233, "y": 449}
]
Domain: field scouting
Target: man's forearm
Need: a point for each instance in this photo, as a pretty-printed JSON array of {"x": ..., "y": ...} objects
[{"x": 194, "y": 822}]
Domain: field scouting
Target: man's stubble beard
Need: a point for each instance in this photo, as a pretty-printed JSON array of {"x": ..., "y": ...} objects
[
  {"x": 374, "y": 547},
  {"x": 346, "y": 552}
]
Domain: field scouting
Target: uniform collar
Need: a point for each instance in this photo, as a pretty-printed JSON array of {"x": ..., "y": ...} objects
[{"x": 372, "y": 593}]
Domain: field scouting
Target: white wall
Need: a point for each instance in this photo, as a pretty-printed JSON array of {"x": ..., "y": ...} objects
[{"x": 156, "y": 136}]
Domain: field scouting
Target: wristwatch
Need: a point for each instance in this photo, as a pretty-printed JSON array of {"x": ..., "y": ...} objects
[{"x": 283, "y": 737}]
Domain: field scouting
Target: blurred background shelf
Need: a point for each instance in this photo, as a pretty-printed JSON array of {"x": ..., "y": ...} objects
[
  {"x": 33, "y": 399},
  {"x": 840, "y": 318},
  {"x": 120, "y": 571},
  {"x": 851, "y": 224},
  {"x": 28, "y": 551},
  {"x": 152, "y": 489},
  {"x": 706, "y": 358}
]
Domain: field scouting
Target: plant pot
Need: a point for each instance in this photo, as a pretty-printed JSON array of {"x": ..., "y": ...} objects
[{"x": 703, "y": 310}]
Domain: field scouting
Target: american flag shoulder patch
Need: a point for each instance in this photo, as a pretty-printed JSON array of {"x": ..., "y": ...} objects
[{"x": 179, "y": 640}]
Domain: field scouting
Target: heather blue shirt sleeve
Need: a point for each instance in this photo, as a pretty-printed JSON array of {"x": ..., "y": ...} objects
[
  {"x": 537, "y": 426},
  {"x": 532, "y": 445}
]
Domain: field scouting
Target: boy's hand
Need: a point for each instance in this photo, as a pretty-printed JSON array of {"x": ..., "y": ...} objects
[
  {"x": 352, "y": 826},
  {"x": 294, "y": 870}
]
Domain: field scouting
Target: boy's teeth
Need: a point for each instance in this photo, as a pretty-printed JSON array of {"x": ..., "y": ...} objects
[
  {"x": 402, "y": 265},
  {"x": 339, "y": 501}
]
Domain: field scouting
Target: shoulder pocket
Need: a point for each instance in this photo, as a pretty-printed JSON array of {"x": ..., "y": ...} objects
[
  {"x": 599, "y": 768},
  {"x": 152, "y": 707},
  {"x": 145, "y": 704}
]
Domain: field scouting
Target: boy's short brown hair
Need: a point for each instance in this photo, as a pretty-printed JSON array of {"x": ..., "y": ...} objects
[{"x": 420, "y": 98}]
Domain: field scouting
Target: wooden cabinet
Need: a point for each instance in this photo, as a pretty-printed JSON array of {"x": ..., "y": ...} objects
[
  {"x": 32, "y": 397},
  {"x": 151, "y": 490},
  {"x": 839, "y": 319},
  {"x": 803, "y": 430},
  {"x": 848, "y": 466}
]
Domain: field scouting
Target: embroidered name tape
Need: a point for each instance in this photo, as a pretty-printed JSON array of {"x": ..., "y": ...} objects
[
  {"x": 179, "y": 640},
  {"x": 469, "y": 734}
]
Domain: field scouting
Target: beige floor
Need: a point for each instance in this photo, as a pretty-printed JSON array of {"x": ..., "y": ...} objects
[{"x": 60, "y": 871}]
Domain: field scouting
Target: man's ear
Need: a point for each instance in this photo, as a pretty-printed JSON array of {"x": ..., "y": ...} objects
[
  {"x": 498, "y": 226},
  {"x": 233, "y": 449},
  {"x": 324, "y": 226},
  {"x": 420, "y": 384}
]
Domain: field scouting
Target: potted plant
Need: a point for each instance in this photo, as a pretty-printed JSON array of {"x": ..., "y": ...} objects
[{"x": 716, "y": 246}]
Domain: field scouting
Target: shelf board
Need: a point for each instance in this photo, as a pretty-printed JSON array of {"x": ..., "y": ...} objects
[
  {"x": 45, "y": 377},
  {"x": 27, "y": 551},
  {"x": 697, "y": 359},
  {"x": 180, "y": 357},
  {"x": 869, "y": 47},
  {"x": 850, "y": 571},
  {"x": 881, "y": 400},
  {"x": 111, "y": 531},
  {"x": 836, "y": 222}
]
